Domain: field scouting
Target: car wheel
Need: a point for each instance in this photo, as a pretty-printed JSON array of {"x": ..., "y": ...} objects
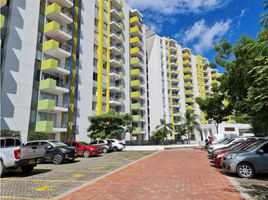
[
  {"x": 105, "y": 150},
  {"x": 1, "y": 168},
  {"x": 27, "y": 169},
  {"x": 86, "y": 154},
  {"x": 57, "y": 159},
  {"x": 245, "y": 170},
  {"x": 115, "y": 148}
]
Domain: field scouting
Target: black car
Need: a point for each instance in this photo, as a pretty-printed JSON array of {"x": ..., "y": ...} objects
[{"x": 55, "y": 151}]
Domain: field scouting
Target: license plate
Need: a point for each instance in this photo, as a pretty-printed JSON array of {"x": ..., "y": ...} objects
[{"x": 32, "y": 161}]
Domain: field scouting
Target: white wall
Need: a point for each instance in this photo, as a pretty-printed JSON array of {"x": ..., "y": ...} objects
[{"x": 17, "y": 80}]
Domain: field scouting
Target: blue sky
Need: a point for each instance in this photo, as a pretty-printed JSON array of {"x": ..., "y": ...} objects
[{"x": 197, "y": 23}]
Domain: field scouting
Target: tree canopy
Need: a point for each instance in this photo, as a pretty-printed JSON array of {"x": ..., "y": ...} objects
[{"x": 109, "y": 125}]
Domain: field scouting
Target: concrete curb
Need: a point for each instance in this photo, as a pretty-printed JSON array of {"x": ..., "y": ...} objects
[
  {"x": 239, "y": 188},
  {"x": 158, "y": 147},
  {"x": 101, "y": 177}
]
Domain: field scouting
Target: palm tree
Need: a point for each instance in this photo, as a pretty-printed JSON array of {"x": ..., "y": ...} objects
[
  {"x": 164, "y": 127},
  {"x": 191, "y": 122},
  {"x": 264, "y": 16}
]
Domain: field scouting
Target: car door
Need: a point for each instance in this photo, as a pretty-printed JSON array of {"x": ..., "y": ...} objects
[
  {"x": 262, "y": 158},
  {"x": 78, "y": 147},
  {"x": 49, "y": 151}
]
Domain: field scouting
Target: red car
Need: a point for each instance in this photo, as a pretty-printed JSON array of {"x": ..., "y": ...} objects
[
  {"x": 221, "y": 153},
  {"x": 83, "y": 149}
]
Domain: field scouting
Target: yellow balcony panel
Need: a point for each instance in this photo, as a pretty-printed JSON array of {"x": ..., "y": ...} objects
[
  {"x": 136, "y": 51},
  {"x": 188, "y": 92},
  {"x": 63, "y": 3},
  {"x": 116, "y": 26},
  {"x": 187, "y": 70},
  {"x": 55, "y": 31},
  {"x": 53, "y": 66},
  {"x": 136, "y": 95},
  {"x": 189, "y": 100},
  {"x": 136, "y": 41},
  {"x": 136, "y": 84},
  {"x": 116, "y": 50},
  {"x": 50, "y": 106},
  {"x": 2, "y": 20},
  {"x": 188, "y": 85},
  {"x": 56, "y": 49},
  {"x": 52, "y": 86},
  {"x": 214, "y": 76},
  {"x": 137, "y": 118},
  {"x": 186, "y": 62},
  {"x": 135, "y": 21},
  {"x": 135, "y": 31},
  {"x": 186, "y": 55},
  {"x": 187, "y": 77},
  {"x": 135, "y": 72},
  {"x": 44, "y": 126},
  {"x": 116, "y": 62},
  {"x": 136, "y": 62},
  {"x": 3, "y": 3},
  {"x": 214, "y": 81},
  {"x": 136, "y": 106},
  {"x": 55, "y": 13},
  {"x": 189, "y": 108}
]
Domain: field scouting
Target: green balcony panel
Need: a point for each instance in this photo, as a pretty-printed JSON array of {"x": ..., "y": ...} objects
[
  {"x": 135, "y": 83},
  {"x": 44, "y": 126},
  {"x": 135, "y": 94},
  {"x": 47, "y": 83},
  {"x": 49, "y": 64},
  {"x": 135, "y": 72},
  {"x": 137, "y": 130},
  {"x": 136, "y": 118},
  {"x": 46, "y": 104},
  {"x": 135, "y": 106},
  {"x": 52, "y": 26}
]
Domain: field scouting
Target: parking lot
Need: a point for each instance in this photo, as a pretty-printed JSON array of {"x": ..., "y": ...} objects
[{"x": 48, "y": 180}]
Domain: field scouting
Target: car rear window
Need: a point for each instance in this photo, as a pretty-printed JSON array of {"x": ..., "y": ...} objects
[
  {"x": 17, "y": 142},
  {"x": 2, "y": 143},
  {"x": 10, "y": 142}
]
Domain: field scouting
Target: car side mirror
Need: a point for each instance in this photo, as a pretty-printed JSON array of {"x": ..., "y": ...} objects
[
  {"x": 48, "y": 147},
  {"x": 260, "y": 151}
]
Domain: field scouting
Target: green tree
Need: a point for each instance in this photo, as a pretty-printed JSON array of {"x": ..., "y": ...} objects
[
  {"x": 164, "y": 127},
  {"x": 9, "y": 133},
  {"x": 109, "y": 125},
  {"x": 214, "y": 107},
  {"x": 191, "y": 122}
]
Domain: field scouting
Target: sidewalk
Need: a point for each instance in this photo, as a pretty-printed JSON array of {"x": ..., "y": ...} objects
[{"x": 167, "y": 175}]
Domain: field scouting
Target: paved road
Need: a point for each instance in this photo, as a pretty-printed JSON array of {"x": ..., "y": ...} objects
[
  {"x": 48, "y": 180},
  {"x": 184, "y": 174}
]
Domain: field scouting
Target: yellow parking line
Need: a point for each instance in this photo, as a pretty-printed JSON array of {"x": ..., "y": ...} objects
[
  {"x": 44, "y": 188},
  {"x": 16, "y": 197},
  {"x": 78, "y": 175}
]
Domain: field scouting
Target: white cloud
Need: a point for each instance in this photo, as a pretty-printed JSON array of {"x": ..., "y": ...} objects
[
  {"x": 202, "y": 35},
  {"x": 242, "y": 13},
  {"x": 171, "y": 7}
]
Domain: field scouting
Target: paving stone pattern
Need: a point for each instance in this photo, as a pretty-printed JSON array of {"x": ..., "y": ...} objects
[
  {"x": 184, "y": 174},
  {"x": 48, "y": 180}
]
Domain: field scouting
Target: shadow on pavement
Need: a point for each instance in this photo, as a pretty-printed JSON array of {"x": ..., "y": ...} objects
[{"x": 19, "y": 173}]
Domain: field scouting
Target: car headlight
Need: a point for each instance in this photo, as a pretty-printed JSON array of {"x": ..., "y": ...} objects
[{"x": 231, "y": 156}]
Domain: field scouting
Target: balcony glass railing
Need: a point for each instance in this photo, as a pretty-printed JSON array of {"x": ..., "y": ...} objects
[
  {"x": 65, "y": 47},
  {"x": 114, "y": 99},
  {"x": 66, "y": 12},
  {"x": 66, "y": 30},
  {"x": 115, "y": 58},
  {"x": 59, "y": 125}
]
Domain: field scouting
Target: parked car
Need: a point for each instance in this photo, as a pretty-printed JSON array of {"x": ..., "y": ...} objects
[
  {"x": 84, "y": 149},
  {"x": 55, "y": 151},
  {"x": 104, "y": 145},
  {"x": 118, "y": 145},
  {"x": 13, "y": 155},
  {"x": 253, "y": 159},
  {"x": 238, "y": 147}
]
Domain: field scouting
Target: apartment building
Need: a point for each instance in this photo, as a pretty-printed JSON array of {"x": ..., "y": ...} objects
[
  {"x": 175, "y": 78},
  {"x": 65, "y": 60}
]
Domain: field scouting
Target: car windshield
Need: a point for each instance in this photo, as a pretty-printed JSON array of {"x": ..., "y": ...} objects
[
  {"x": 83, "y": 143},
  {"x": 253, "y": 146},
  {"x": 58, "y": 144}
]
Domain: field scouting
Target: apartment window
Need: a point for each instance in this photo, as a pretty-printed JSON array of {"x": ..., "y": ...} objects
[
  {"x": 95, "y": 76},
  {"x": 94, "y": 92},
  {"x": 95, "y": 49},
  {"x": 95, "y": 62},
  {"x": 96, "y": 10},
  {"x": 94, "y": 105},
  {"x": 96, "y": 22}
]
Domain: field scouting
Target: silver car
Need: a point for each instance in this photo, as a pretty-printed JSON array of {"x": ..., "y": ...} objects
[{"x": 253, "y": 159}]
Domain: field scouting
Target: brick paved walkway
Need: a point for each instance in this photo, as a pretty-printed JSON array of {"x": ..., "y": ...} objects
[{"x": 172, "y": 174}]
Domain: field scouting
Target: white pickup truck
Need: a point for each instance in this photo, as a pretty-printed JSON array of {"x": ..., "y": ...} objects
[{"x": 13, "y": 155}]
